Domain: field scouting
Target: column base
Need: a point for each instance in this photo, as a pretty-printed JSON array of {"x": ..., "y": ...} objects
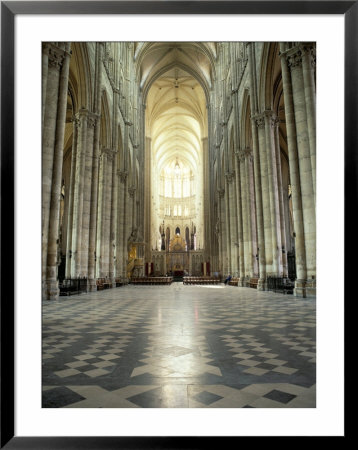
[
  {"x": 52, "y": 291},
  {"x": 300, "y": 288},
  {"x": 92, "y": 285},
  {"x": 311, "y": 288},
  {"x": 261, "y": 285}
]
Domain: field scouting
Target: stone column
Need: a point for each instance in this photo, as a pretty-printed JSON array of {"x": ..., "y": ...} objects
[
  {"x": 101, "y": 215},
  {"x": 106, "y": 247},
  {"x": 76, "y": 263},
  {"x": 239, "y": 219},
  {"x": 75, "y": 122},
  {"x": 92, "y": 257},
  {"x": 300, "y": 283},
  {"x": 308, "y": 204},
  {"x": 227, "y": 226},
  {"x": 87, "y": 187},
  {"x": 147, "y": 198},
  {"x": 270, "y": 124},
  {"x": 232, "y": 222},
  {"x": 252, "y": 248},
  {"x": 221, "y": 232},
  {"x": 52, "y": 159},
  {"x": 245, "y": 217},
  {"x": 260, "y": 250},
  {"x": 255, "y": 126},
  {"x": 280, "y": 201},
  {"x": 308, "y": 68},
  {"x": 206, "y": 238},
  {"x": 265, "y": 191},
  {"x": 122, "y": 253},
  {"x": 45, "y": 51},
  {"x": 114, "y": 224}
]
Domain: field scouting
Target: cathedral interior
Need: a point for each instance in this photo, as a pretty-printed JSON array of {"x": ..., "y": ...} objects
[{"x": 179, "y": 224}]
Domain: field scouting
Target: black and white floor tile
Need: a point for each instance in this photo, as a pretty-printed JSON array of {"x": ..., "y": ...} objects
[{"x": 179, "y": 346}]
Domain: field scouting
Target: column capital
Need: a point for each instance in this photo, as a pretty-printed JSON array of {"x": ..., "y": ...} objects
[
  {"x": 131, "y": 191},
  {"x": 221, "y": 192},
  {"x": 122, "y": 175},
  {"x": 247, "y": 152},
  {"x": 75, "y": 120},
  {"x": 80, "y": 118},
  {"x": 109, "y": 152},
  {"x": 230, "y": 176},
  {"x": 271, "y": 118},
  {"x": 56, "y": 56},
  {"x": 309, "y": 49},
  {"x": 259, "y": 120},
  {"x": 92, "y": 119},
  {"x": 294, "y": 59}
]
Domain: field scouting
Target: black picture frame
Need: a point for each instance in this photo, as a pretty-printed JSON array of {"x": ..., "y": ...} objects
[{"x": 9, "y": 10}]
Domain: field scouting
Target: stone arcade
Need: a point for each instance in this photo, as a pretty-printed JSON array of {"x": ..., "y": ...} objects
[{"x": 181, "y": 158}]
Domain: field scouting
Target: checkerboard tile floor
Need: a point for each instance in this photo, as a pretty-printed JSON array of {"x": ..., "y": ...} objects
[{"x": 179, "y": 347}]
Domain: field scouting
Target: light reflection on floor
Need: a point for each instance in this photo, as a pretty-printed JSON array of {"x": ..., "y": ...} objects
[{"x": 179, "y": 346}]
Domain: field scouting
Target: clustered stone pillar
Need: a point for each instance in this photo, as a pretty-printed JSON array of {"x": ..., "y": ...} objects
[
  {"x": 230, "y": 185},
  {"x": 251, "y": 213},
  {"x": 76, "y": 262},
  {"x": 257, "y": 123},
  {"x": 265, "y": 192},
  {"x": 122, "y": 254},
  {"x": 245, "y": 215},
  {"x": 92, "y": 256},
  {"x": 56, "y": 61},
  {"x": 280, "y": 201},
  {"x": 270, "y": 121},
  {"x": 299, "y": 101},
  {"x": 239, "y": 219}
]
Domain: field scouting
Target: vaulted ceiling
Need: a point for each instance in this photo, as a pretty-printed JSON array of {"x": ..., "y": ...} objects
[{"x": 175, "y": 79}]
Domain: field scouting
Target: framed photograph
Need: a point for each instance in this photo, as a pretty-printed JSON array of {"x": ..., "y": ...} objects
[{"x": 167, "y": 153}]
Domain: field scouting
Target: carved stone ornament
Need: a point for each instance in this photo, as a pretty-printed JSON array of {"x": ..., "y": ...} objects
[
  {"x": 230, "y": 176},
  {"x": 241, "y": 155},
  {"x": 122, "y": 175},
  {"x": 295, "y": 61},
  {"x": 108, "y": 152},
  {"x": 259, "y": 121},
  {"x": 310, "y": 50},
  {"x": 221, "y": 192},
  {"x": 271, "y": 119},
  {"x": 131, "y": 191},
  {"x": 55, "y": 57},
  {"x": 92, "y": 120},
  {"x": 247, "y": 152},
  {"x": 76, "y": 121}
]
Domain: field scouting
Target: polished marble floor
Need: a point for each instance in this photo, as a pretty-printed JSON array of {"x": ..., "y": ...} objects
[{"x": 179, "y": 346}]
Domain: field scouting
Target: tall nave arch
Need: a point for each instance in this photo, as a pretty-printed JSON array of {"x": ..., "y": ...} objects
[{"x": 182, "y": 157}]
